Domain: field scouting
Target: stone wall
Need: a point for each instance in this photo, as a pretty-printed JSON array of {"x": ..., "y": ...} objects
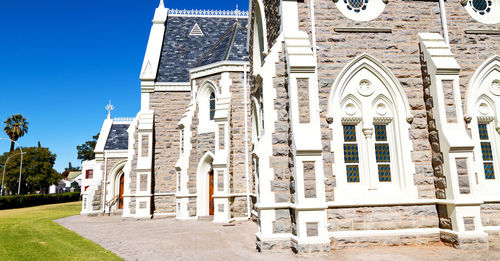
[
  {"x": 169, "y": 108},
  {"x": 110, "y": 165},
  {"x": 490, "y": 213},
  {"x": 133, "y": 164},
  {"x": 399, "y": 51},
  {"x": 273, "y": 20},
  {"x": 281, "y": 161},
  {"x": 382, "y": 218},
  {"x": 238, "y": 166}
]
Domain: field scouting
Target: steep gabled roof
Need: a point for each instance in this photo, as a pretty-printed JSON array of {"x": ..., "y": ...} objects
[
  {"x": 229, "y": 47},
  {"x": 117, "y": 137},
  {"x": 182, "y": 51}
]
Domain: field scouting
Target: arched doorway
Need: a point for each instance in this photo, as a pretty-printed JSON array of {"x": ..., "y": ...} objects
[
  {"x": 211, "y": 192},
  {"x": 205, "y": 186},
  {"x": 120, "y": 191}
]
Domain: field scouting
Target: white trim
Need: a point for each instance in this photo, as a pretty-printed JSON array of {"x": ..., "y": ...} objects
[
  {"x": 218, "y": 67},
  {"x": 172, "y": 87},
  {"x": 116, "y": 153},
  {"x": 209, "y": 13}
]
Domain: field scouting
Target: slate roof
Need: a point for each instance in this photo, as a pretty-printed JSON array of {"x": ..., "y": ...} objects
[
  {"x": 223, "y": 39},
  {"x": 230, "y": 47},
  {"x": 117, "y": 137}
]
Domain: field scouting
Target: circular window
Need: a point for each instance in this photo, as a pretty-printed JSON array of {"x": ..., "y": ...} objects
[
  {"x": 361, "y": 10},
  {"x": 356, "y": 5},
  {"x": 484, "y": 11},
  {"x": 481, "y": 6}
]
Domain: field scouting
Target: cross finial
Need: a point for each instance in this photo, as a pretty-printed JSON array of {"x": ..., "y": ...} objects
[{"x": 109, "y": 108}]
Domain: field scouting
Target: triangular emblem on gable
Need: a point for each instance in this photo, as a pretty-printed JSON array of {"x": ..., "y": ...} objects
[
  {"x": 148, "y": 71},
  {"x": 196, "y": 30}
]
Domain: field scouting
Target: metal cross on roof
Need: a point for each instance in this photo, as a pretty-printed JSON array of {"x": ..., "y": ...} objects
[{"x": 109, "y": 108}]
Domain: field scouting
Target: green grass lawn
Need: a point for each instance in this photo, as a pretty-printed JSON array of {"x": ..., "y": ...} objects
[{"x": 30, "y": 234}]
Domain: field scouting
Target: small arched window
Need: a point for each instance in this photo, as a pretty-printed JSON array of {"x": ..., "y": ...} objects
[{"x": 212, "y": 105}]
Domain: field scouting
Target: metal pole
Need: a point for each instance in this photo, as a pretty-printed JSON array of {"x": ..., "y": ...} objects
[
  {"x": 444, "y": 22},
  {"x": 5, "y": 166},
  {"x": 20, "y": 171},
  {"x": 246, "y": 139},
  {"x": 21, "y": 167}
]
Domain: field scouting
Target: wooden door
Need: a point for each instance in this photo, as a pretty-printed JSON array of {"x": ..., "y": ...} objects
[
  {"x": 211, "y": 192},
  {"x": 120, "y": 196}
]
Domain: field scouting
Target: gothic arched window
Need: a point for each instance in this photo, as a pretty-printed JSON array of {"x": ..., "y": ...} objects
[
  {"x": 212, "y": 105},
  {"x": 482, "y": 106},
  {"x": 370, "y": 115},
  {"x": 206, "y": 97}
]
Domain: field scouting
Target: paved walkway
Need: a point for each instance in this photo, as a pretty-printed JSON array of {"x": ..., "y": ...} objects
[{"x": 169, "y": 239}]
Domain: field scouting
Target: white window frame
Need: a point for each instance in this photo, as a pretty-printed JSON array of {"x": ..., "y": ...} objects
[
  {"x": 492, "y": 17},
  {"x": 373, "y": 9},
  {"x": 205, "y": 124},
  {"x": 381, "y": 101},
  {"x": 483, "y": 106}
]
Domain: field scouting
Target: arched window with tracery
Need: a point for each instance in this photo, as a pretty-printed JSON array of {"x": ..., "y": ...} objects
[
  {"x": 483, "y": 106},
  {"x": 370, "y": 115}
]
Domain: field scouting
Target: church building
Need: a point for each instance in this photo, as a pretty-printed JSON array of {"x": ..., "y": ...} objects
[{"x": 330, "y": 123}]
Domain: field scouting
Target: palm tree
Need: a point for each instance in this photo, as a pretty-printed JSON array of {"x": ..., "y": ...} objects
[{"x": 15, "y": 127}]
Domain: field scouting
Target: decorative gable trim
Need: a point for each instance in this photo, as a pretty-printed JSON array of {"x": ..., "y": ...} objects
[
  {"x": 209, "y": 13},
  {"x": 196, "y": 30}
]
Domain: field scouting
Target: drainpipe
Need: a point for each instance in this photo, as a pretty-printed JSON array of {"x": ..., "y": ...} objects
[
  {"x": 313, "y": 39},
  {"x": 246, "y": 138},
  {"x": 105, "y": 180},
  {"x": 444, "y": 22}
]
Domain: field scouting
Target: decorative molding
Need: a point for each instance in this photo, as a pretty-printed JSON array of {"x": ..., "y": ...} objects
[
  {"x": 351, "y": 120},
  {"x": 209, "y": 13},
  {"x": 224, "y": 66},
  {"x": 383, "y": 120},
  {"x": 172, "y": 87},
  {"x": 485, "y": 119},
  {"x": 116, "y": 154},
  {"x": 118, "y": 120},
  {"x": 482, "y": 31},
  {"x": 362, "y": 30}
]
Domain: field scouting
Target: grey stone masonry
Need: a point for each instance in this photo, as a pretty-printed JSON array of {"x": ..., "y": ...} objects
[
  {"x": 169, "y": 108},
  {"x": 382, "y": 218}
]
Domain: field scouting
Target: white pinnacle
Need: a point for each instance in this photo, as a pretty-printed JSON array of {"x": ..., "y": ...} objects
[
  {"x": 109, "y": 108},
  {"x": 161, "y": 5}
]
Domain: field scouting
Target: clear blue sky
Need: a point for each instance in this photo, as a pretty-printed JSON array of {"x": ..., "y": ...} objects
[{"x": 62, "y": 60}]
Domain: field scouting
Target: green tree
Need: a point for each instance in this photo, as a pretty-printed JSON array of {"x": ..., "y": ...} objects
[
  {"x": 38, "y": 172},
  {"x": 86, "y": 150},
  {"x": 15, "y": 127}
]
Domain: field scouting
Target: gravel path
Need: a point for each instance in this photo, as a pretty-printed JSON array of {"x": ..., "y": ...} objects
[{"x": 170, "y": 239}]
